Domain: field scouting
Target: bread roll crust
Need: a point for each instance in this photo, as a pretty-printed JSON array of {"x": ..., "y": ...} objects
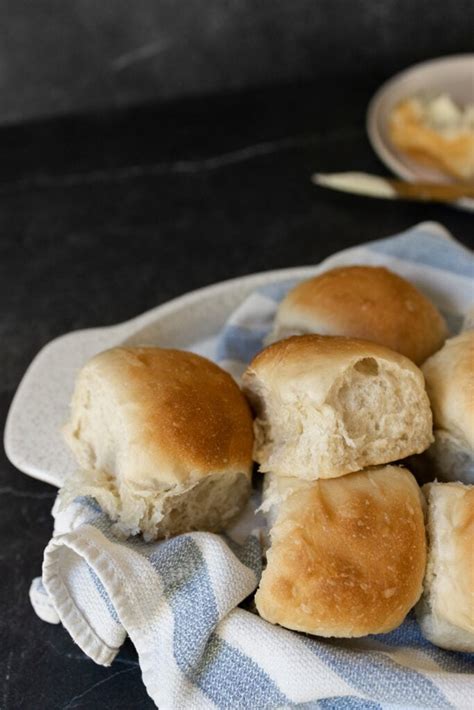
[
  {"x": 449, "y": 376},
  {"x": 173, "y": 416},
  {"x": 326, "y": 406},
  {"x": 367, "y": 302},
  {"x": 446, "y": 612},
  {"x": 347, "y": 555}
]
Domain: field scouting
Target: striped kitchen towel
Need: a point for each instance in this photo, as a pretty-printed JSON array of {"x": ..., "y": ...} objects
[{"x": 184, "y": 602}]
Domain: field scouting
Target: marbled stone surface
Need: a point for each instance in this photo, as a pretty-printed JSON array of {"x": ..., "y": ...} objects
[{"x": 106, "y": 216}]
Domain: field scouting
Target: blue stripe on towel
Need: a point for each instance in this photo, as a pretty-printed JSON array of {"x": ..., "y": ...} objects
[
  {"x": 102, "y": 592},
  {"x": 347, "y": 703},
  {"x": 375, "y": 674},
  {"x": 453, "y": 320},
  {"x": 240, "y": 344},
  {"x": 277, "y": 291},
  {"x": 339, "y": 702},
  {"x": 250, "y": 554},
  {"x": 428, "y": 248},
  {"x": 227, "y": 676}
]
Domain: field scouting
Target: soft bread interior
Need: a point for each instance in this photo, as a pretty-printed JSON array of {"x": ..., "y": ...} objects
[
  {"x": 374, "y": 413},
  {"x": 94, "y": 427},
  {"x": 211, "y": 504}
]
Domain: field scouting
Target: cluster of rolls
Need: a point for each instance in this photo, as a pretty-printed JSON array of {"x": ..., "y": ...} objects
[{"x": 166, "y": 441}]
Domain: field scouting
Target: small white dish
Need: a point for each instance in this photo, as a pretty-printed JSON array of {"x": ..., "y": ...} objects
[{"x": 453, "y": 75}]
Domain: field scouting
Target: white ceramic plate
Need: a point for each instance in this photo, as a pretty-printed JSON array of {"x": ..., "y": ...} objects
[{"x": 453, "y": 75}]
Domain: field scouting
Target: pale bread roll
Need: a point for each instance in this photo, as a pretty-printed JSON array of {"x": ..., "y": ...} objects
[
  {"x": 446, "y": 611},
  {"x": 163, "y": 438},
  {"x": 368, "y": 302},
  {"x": 449, "y": 376},
  {"x": 326, "y": 406},
  {"x": 347, "y": 555}
]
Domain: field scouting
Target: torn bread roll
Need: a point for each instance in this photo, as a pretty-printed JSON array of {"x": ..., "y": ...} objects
[
  {"x": 326, "y": 406},
  {"x": 446, "y": 611},
  {"x": 449, "y": 376},
  {"x": 164, "y": 441},
  {"x": 347, "y": 555},
  {"x": 368, "y": 302}
]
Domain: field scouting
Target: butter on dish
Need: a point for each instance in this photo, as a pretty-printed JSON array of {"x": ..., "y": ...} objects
[{"x": 436, "y": 132}]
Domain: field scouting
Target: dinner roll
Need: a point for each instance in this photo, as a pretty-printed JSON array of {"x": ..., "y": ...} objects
[
  {"x": 446, "y": 611},
  {"x": 347, "y": 555},
  {"x": 449, "y": 378},
  {"x": 367, "y": 302},
  {"x": 163, "y": 438},
  {"x": 326, "y": 406}
]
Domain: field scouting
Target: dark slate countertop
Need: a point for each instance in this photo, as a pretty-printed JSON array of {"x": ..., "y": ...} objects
[{"x": 103, "y": 217}]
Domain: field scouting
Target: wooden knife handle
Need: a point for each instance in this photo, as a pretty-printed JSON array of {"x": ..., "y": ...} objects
[{"x": 432, "y": 191}]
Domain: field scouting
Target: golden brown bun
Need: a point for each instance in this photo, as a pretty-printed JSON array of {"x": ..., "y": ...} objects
[
  {"x": 149, "y": 425},
  {"x": 368, "y": 302},
  {"x": 453, "y": 155},
  {"x": 347, "y": 555},
  {"x": 446, "y": 612},
  {"x": 326, "y": 406}
]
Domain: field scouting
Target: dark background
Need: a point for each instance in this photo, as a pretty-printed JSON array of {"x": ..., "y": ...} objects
[
  {"x": 59, "y": 56},
  {"x": 226, "y": 108}
]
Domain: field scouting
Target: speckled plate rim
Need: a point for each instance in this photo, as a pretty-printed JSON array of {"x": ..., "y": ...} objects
[
  {"x": 402, "y": 84},
  {"x": 32, "y": 438}
]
